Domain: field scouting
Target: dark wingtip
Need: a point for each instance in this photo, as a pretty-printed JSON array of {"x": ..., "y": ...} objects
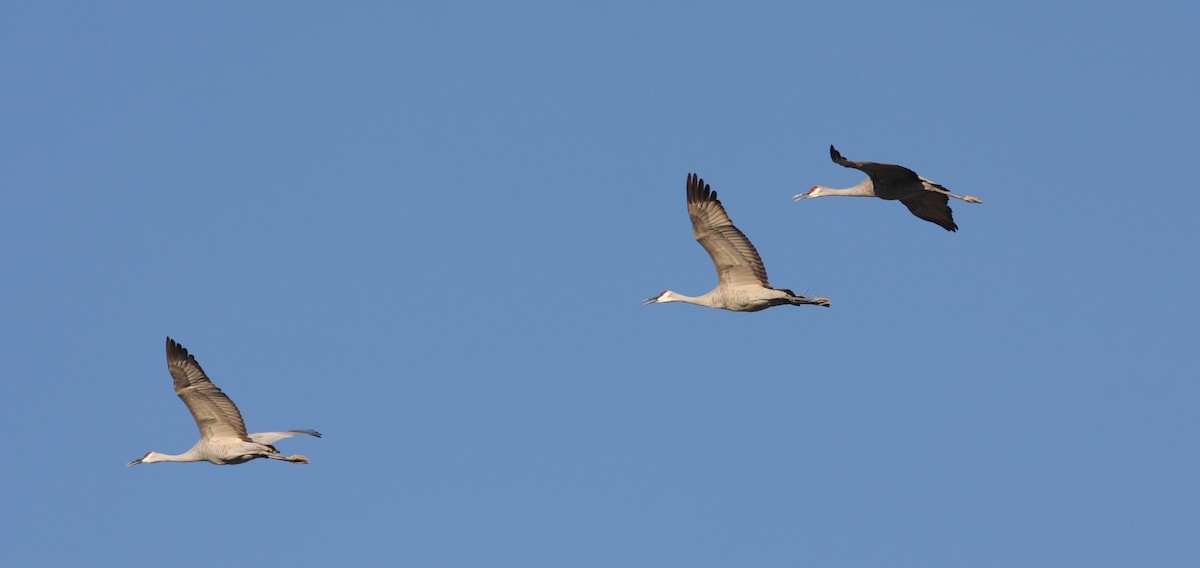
[
  {"x": 312, "y": 433},
  {"x": 948, "y": 223},
  {"x": 698, "y": 191},
  {"x": 834, "y": 154},
  {"x": 177, "y": 351}
]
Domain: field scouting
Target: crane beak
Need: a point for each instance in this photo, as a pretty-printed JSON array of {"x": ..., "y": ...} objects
[
  {"x": 655, "y": 299},
  {"x": 800, "y": 196},
  {"x": 134, "y": 462}
]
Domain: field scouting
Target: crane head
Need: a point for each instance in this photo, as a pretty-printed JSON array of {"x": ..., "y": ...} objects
[
  {"x": 664, "y": 296},
  {"x": 140, "y": 460},
  {"x": 814, "y": 192}
]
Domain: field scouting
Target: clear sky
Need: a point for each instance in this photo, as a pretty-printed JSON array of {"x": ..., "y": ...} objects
[{"x": 425, "y": 229}]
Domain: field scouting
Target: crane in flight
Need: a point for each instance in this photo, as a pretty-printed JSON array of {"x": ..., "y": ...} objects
[
  {"x": 223, "y": 437},
  {"x": 926, "y": 199},
  {"x": 741, "y": 277}
]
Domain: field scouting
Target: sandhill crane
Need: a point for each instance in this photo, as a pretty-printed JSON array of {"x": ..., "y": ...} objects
[
  {"x": 924, "y": 198},
  {"x": 223, "y": 437},
  {"x": 742, "y": 279}
]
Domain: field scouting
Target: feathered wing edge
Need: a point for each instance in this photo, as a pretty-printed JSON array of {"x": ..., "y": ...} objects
[
  {"x": 933, "y": 207},
  {"x": 272, "y": 437},
  {"x": 215, "y": 414},
  {"x": 732, "y": 253}
]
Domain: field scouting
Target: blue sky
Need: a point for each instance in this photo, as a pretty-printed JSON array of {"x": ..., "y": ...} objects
[{"x": 425, "y": 230}]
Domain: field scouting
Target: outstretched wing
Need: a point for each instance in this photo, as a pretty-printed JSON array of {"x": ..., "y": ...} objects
[
  {"x": 216, "y": 416},
  {"x": 889, "y": 181},
  {"x": 272, "y": 437},
  {"x": 735, "y": 258},
  {"x": 933, "y": 207},
  {"x": 838, "y": 159}
]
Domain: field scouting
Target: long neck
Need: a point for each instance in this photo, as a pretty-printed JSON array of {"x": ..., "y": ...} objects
[
  {"x": 864, "y": 188},
  {"x": 711, "y": 299},
  {"x": 188, "y": 456}
]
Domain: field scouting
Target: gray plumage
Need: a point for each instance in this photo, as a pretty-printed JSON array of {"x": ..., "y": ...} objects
[
  {"x": 223, "y": 437},
  {"x": 742, "y": 284}
]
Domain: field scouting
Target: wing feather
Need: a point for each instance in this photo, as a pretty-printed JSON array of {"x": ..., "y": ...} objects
[
  {"x": 735, "y": 258},
  {"x": 215, "y": 414},
  {"x": 933, "y": 207},
  {"x": 272, "y": 437}
]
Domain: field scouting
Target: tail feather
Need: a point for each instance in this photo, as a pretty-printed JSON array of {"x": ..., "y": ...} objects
[{"x": 799, "y": 299}]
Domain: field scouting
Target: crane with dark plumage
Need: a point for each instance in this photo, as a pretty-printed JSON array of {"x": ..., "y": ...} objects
[
  {"x": 741, "y": 277},
  {"x": 926, "y": 199}
]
